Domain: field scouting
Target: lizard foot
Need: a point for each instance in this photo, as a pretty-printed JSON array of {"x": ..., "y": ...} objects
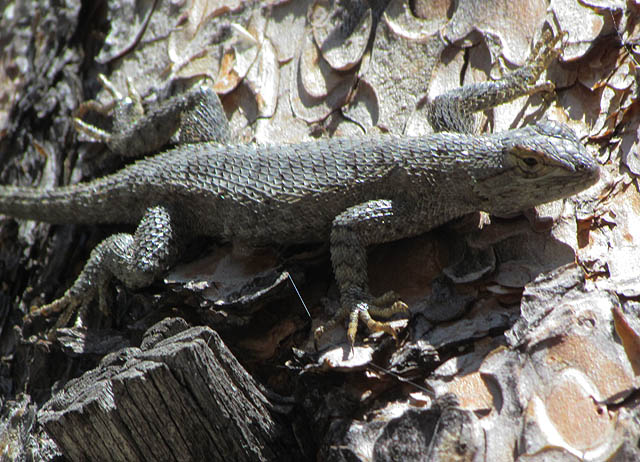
[
  {"x": 546, "y": 49},
  {"x": 125, "y": 109},
  {"x": 357, "y": 310},
  {"x": 68, "y": 305},
  {"x": 544, "y": 52}
]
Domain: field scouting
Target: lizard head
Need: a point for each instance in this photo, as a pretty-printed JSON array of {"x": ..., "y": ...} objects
[{"x": 537, "y": 164}]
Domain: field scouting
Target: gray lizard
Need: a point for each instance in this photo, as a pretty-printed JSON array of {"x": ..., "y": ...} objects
[{"x": 352, "y": 192}]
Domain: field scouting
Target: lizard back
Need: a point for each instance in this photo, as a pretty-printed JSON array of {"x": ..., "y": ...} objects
[{"x": 259, "y": 194}]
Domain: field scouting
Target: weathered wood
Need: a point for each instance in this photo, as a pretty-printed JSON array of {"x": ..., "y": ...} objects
[{"x": 181, "y": 396}]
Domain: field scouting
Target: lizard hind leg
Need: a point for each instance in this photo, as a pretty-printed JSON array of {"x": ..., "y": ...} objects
[
  {"x": 191, "y": 116},
  {"x": 135, "y": 259}
]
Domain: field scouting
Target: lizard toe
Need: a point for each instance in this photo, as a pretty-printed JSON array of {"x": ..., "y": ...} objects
[
  {"x": 363, "y": 309},
  {"x": 364, "y": 312},
  {"x": 67, "y": 305}
]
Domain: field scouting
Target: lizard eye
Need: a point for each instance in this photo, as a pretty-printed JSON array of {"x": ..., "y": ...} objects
[
  {"x": 530, "y": 164},
  {"x": 527, "y": 160}
]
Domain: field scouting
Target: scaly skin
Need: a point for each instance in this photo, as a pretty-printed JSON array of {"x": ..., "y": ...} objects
[{"x": 353, "y": 192}]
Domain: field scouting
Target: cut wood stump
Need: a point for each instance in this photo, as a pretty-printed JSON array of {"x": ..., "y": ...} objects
[{"x": 181, "y": 396}]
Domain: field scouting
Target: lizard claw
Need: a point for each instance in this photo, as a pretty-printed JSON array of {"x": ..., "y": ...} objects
[{"x": 357, "y": 310}]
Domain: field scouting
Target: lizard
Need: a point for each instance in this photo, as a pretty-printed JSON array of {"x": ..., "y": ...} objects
[{"x": 351, "y": 192}]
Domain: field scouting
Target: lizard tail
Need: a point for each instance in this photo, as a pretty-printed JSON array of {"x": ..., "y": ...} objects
[{"x": 80, "y": 204}]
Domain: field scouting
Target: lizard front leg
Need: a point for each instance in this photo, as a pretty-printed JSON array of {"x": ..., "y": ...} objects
[
  {"x": 352, "y": 231},
  {"x": 135, "y": 259},
  {"x": 453, "y": 110}
]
